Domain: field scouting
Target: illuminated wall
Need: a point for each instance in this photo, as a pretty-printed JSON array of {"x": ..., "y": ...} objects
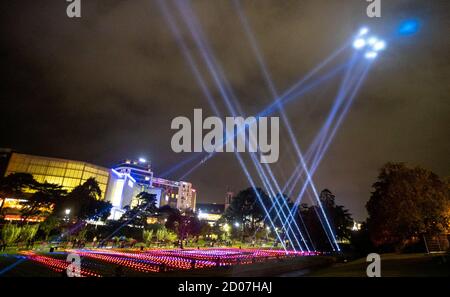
[
  {"x": 186, "y": 196},
  {"x": 179, "y": 195},
  {"x": 63, "y": 172},
  {"x": 210, "y": 212}
]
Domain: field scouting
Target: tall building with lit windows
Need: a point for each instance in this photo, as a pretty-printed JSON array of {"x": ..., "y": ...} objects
[
  {"x": 177, "y": 194},
  {"x": 66, "y": 173}
]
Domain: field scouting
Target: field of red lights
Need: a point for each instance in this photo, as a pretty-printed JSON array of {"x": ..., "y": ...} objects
[{"x": 103, "y": 262}]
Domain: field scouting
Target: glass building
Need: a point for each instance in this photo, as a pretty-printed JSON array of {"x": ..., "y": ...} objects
[
  {"x": 63, "y": 172},
  {"x": 120, "y": 185}
]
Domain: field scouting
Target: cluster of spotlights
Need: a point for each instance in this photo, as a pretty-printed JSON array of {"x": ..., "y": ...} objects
[{"x": 371, "y": 44}]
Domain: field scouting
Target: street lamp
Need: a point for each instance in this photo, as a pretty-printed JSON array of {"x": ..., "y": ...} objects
[
  {"x": 67, "y": 213},
  {"x": 236, "y": 225}
]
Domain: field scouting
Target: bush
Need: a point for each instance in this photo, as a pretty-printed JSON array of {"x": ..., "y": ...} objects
[
  {"x": 147, "y": 235},
  {"x": 161, "y": 234},
  {"x": 10, "y": 233},
  {"x": 171, "y": 236},
  {"x": 28, "y": 232}
]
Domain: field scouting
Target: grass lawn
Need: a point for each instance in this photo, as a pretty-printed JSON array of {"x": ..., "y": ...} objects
[{"x": 392, "y": 265}]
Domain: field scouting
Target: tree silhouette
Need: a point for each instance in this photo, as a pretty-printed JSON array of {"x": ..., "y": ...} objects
[
  {"x": 138, "y": 215},
  {"x": 315, "y": 226},
  {"x": 40, "y": 202},
  {"x": 407, "y": 203},
  {"x": 15, "y": 185},
  {"x": 148, "y": 201},
  {"x": 183, "y": 224},
  {"x": 247, "y": 210},
  {"x": 84, "y": 202}
]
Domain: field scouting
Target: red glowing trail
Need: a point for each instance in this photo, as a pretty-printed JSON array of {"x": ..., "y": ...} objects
[
  {"x": 157, "y": 260},
  {"x": 56, "y": 264}
]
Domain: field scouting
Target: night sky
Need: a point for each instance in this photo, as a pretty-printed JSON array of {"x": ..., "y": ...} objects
[{"x": 107, "y": 86}]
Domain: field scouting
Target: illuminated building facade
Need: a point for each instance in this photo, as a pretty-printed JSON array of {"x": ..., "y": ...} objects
[
  {"x": 122, "y": 189},
  {"x": 139, "y": 170},
  {"x": 119, "y": 185},
  {"x": 177, "y": 194},
  {"x": 210, "y": 212},
  {"x": 66, "y": 173}
]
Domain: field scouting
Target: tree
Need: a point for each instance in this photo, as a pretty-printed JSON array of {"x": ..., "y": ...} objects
[
  {"x": 147, "y": 235},
  {"x": 28, "y": 232},
  {"x": 50, "y": 224},
  {"x": 10, "y": 233},
  {"x": 15, "y": 185},
  {"x": 171, "y": 236},
  {"x": 340, "y": 219},
  {"x": 161, "y": 234},
  {"x": 147, "y": 201},
  {"x": 246, "y": 210},
  {"x": 84, "y": 202},
  {"x": 82, "y": 234},
  {"x": 407, "y": 203},
  {"x": 138, "y": 215},
  {"x": 205, "y": 228},
  {"x": 314, "y": 224},
  {"x": 40, "y": 202},
  {"x": 184, "y": 225},
  {"x": 38, "y": 198}
]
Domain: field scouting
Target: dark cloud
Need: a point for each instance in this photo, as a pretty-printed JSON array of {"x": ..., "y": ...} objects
[{"x": 107, "y": 86}]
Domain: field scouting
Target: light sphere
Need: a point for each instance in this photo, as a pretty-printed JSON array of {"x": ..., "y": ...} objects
[
  {"x": 371, "y": 55},
  {"x": 372, "y": 40},
  {"x": 379, "y": 46},
  {"x": 363, "y": 31},
  {"x": 359, "y": 43}
]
